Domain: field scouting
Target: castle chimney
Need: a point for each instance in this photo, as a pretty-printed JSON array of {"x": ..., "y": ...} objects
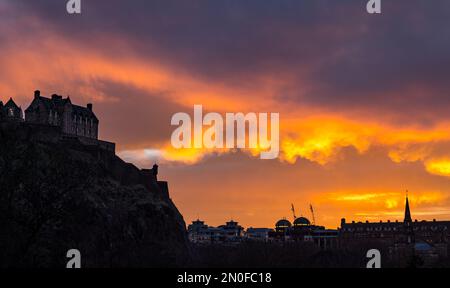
[
  {"x": 37, "y": 94},
  {"x": 89, "y": 106}
]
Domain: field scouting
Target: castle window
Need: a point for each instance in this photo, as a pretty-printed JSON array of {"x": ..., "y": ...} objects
[{"x": 11, "y": 112}]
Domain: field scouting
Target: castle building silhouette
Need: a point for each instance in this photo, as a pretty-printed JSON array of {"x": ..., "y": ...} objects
[
  {"x": 67, "y": 119},
  {"x": 56, "y": 120},
  {"x": 55, "y": 111}
]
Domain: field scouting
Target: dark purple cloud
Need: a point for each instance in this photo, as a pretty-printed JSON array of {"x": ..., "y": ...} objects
[{"x": 350, "y": 59}]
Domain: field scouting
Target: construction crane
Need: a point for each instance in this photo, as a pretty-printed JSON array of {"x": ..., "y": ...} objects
[
  {"x": 293, "y": 211},
  {"x": 312, "y": 212}
]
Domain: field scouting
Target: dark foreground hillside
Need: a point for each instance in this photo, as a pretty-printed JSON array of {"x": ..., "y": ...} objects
[{"x": 57, "y": 194}]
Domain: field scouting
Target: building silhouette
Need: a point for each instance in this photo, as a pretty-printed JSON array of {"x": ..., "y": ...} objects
[
  {"x": 58, "y": 120},
  {"x": 232, "y": 232},
  {"x": 10, "y": 111},
  {"x": 403, "y": 241},
  {"x": 201, "y": 233},
  {"x": 302, "y": 230},
  {"x": 428, "y": 239},
  {"x": 56, "y": 111},
  {"x": 408, "y": 231}
]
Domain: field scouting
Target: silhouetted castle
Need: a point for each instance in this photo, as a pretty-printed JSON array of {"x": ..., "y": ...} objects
[
  {"x": 56, "y": 120},
  {"x": 70, "y": 120}
]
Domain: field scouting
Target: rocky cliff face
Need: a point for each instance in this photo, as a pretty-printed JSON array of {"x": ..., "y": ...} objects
[{"x": 57, "y": 194}]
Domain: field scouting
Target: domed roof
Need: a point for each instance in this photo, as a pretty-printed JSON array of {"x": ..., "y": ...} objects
[
  {"x": 301, "y": 221},
  {"x": 283, "y": 223}
]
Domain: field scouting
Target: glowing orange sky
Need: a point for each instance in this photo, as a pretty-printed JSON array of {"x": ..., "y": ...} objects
[{"x": 352, "y": 158}]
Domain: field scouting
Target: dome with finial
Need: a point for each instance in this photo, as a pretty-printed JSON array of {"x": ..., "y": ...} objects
[
  {"x": 283, "y": 223},
  {"x": 302, "y": 221}
]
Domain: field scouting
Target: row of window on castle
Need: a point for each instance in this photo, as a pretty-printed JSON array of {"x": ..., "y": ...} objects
[{"x": 81, "y": 126}]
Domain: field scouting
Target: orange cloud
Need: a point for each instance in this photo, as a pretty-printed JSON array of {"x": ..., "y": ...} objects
[
  {"x": 438, "y": 166},
  {"x": 310, "y": 135}
]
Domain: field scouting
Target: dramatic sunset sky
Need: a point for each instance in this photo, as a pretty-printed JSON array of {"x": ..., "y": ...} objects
[{"x": 364, "y": 100}]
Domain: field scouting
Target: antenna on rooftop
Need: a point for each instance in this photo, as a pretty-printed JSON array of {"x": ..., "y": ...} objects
[
  {"x": 312, "y": 212},
  {"x": 293, "y": 211}
]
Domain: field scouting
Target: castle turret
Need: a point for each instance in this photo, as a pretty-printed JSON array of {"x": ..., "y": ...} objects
[
  {"x": 155, "y": 171},
  {"x": 12, "y": 112}
]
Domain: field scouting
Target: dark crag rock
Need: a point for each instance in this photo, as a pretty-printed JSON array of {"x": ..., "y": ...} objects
[{"x": 57, "y": 194}]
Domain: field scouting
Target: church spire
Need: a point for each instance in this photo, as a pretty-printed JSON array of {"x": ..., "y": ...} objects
[{"x": 407, "y": 211}]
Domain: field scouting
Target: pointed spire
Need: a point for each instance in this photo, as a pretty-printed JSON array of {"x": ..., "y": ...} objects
[{"x": 407, "y": 211}]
